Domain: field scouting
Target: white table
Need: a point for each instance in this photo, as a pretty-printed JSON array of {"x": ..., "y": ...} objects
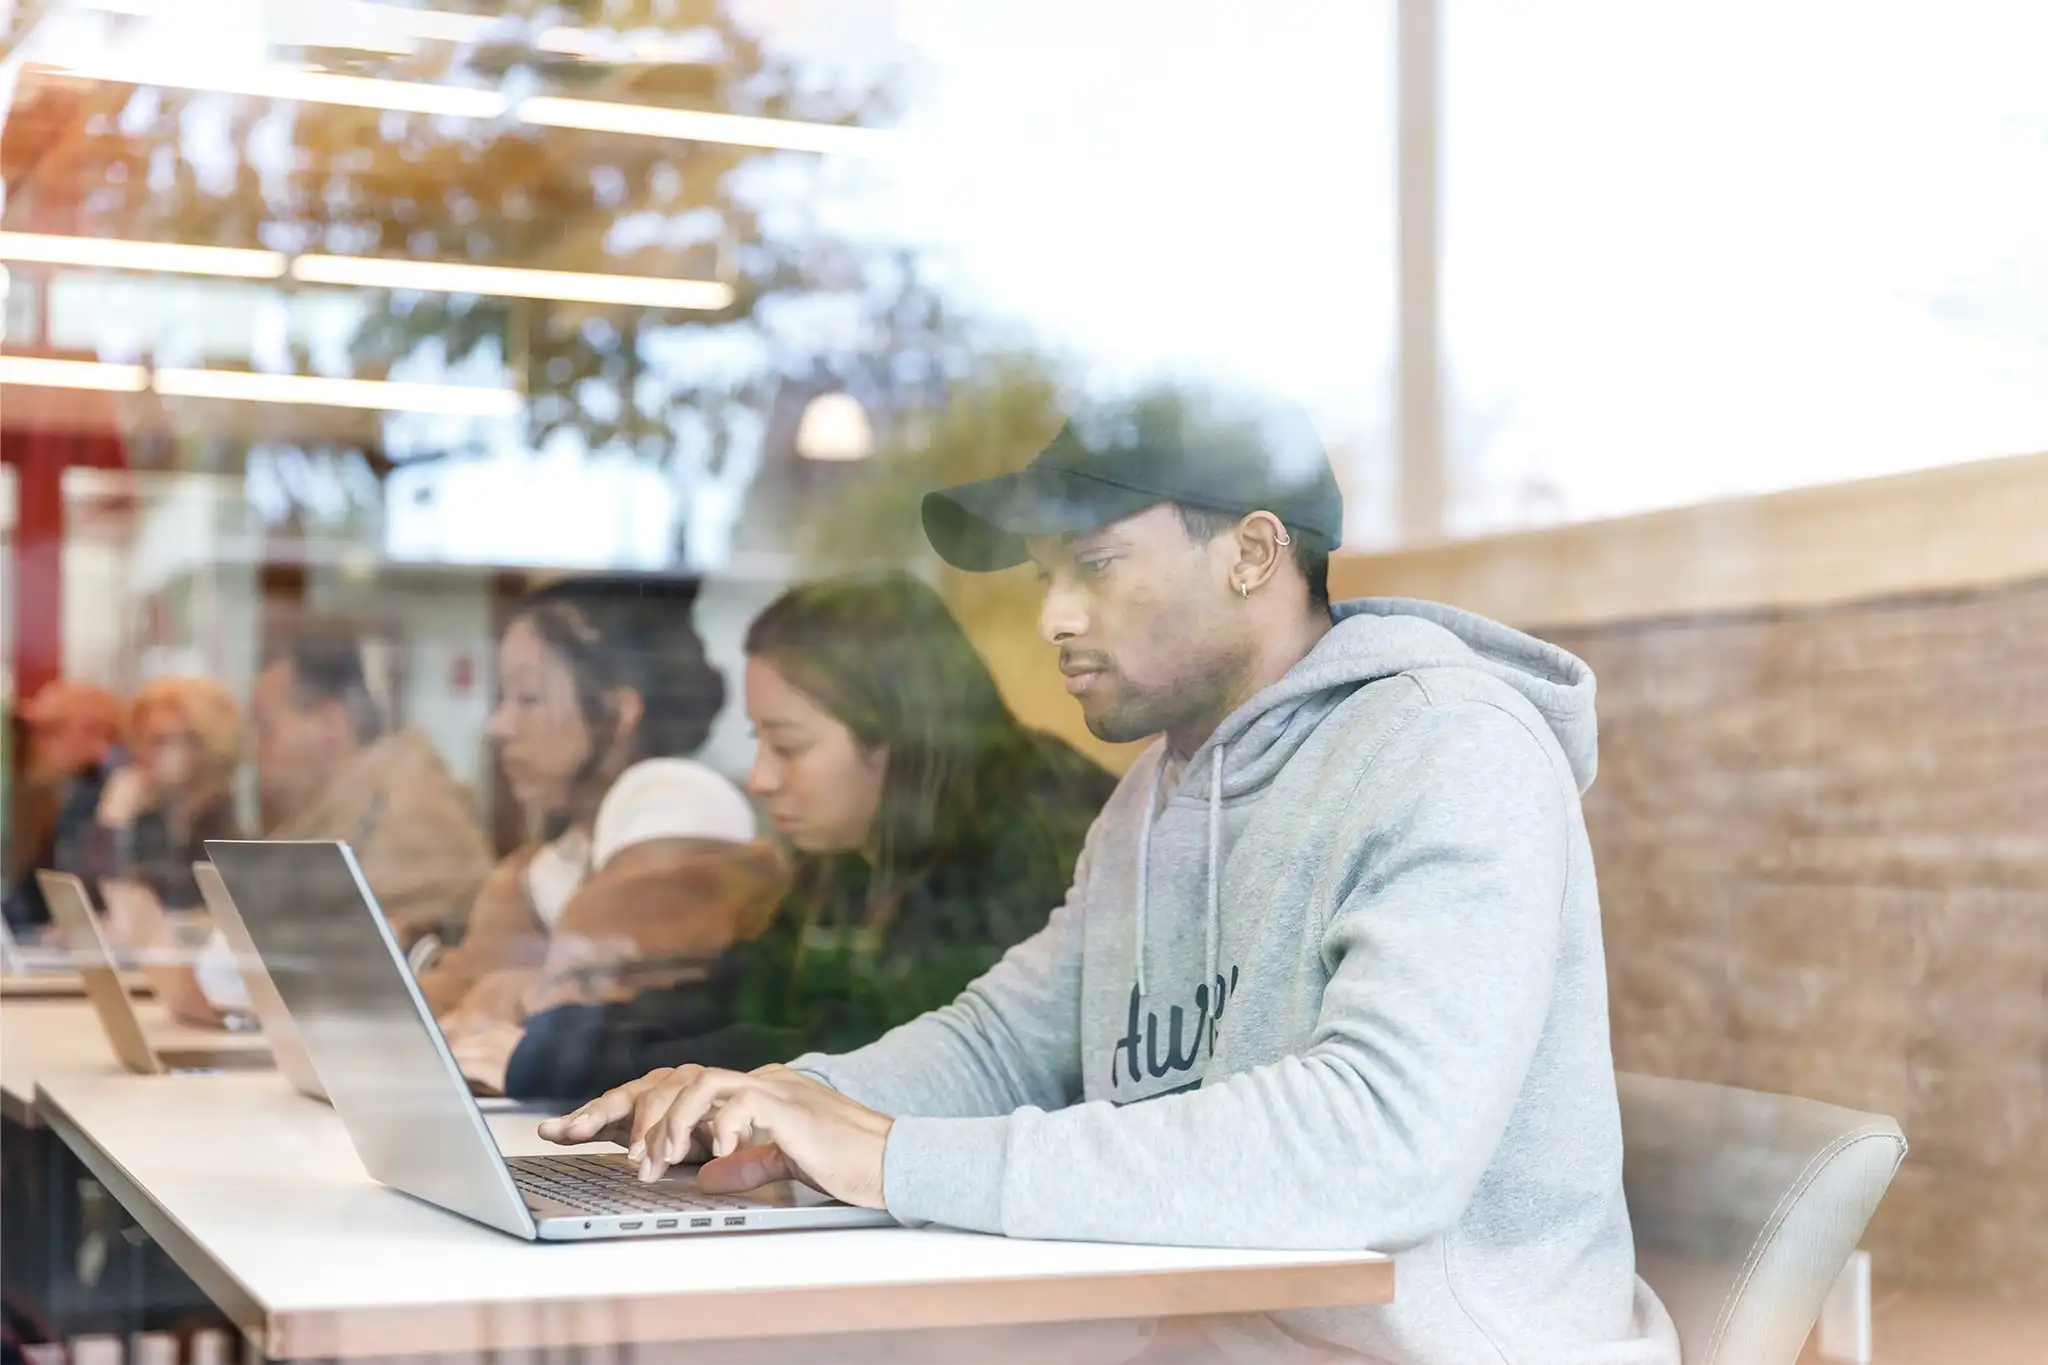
[
  {"x": 55, "y": 1036},
  {"x": 259, "y": 1197}
]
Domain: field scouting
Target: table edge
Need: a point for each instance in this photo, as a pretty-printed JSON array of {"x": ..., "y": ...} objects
[
  {"x": 214, "y": 1279},
  {"x": 342, "y": 1334}
]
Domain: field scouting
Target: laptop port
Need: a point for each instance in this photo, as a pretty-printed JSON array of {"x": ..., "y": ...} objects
[
  {"x": 633, "y": 1226},
  {"x": 738, "y": 1222},
  {"x": 661, "y": 1223},
  {"x": 700, "y": 1222}
]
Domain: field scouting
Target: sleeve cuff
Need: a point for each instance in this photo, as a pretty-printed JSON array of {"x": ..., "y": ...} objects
[{"x": 946, "y": 1171}]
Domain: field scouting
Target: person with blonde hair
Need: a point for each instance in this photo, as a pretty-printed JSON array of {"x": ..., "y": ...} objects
[{"x": 158, "y": 811}]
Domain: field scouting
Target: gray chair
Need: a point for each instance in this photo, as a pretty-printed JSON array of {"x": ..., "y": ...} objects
[{"x": 1746, "y": 1207}]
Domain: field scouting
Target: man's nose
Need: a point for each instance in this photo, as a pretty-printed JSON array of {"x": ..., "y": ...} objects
[{"x": 1060, "y": 616}]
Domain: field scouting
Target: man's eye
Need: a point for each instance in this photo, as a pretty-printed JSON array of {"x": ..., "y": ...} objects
[{"x": 1095, "y": 568}]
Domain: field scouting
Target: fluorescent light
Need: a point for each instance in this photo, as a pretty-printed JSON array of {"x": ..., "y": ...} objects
[
  {"x": 309, "y": 87},
  {"x": 447, "y": 277},
  {"x": 455, "y": 400},
  {"x": 37, "y": 372},
  {"x": 701, "y": 125},
  {"x": 169, "y": 257},
  {"x": 692, "y": 48},
  {"x": 416, "y": 97}
]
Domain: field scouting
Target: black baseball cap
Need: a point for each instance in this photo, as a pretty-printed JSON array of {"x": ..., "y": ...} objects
[{"x": 1115, "y": 460}]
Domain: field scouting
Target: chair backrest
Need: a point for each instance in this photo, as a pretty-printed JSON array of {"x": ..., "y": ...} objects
[{"x": 1746, "y": 1206}]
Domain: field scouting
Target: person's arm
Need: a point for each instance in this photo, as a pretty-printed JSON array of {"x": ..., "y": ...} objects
[
  {"x": 502, "y": 934},
  {"x": 573, "y": 1052},
  {"x": 1012, "y": 1038},
  {"x": 1446, "y": 889}
]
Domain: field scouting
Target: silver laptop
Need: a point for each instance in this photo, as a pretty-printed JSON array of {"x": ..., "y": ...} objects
[
  {"x": 278, "y": 1028},
  {"x": 398, "y": 1091}
]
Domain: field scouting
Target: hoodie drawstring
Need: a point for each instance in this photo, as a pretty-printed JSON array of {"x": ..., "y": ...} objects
[
  {"x": 1145, "y": 865},
  {"x": 1213, "y": 929}
]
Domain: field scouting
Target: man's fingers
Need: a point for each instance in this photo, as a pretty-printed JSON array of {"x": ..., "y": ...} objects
[
  {"x": 589, "y": 1122},
  {"x": 661, "y": 1146},
  {"x": 732, "y": 1124},
  {"x": 747, "y": 1169}
]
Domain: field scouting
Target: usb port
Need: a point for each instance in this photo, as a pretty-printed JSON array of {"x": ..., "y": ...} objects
[
  {"x": 633, "y": 1226},
  {"x": 739, "y": 1222},
  {"x": 700, "y": 1222},
  {"x": 661, "y": 1223}
]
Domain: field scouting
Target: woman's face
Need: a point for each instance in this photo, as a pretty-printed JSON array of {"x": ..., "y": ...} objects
[
  {"x": 166, "y": 748},
  {"x": 821, "y": 788},
  {"x": 539, "y": 731}
]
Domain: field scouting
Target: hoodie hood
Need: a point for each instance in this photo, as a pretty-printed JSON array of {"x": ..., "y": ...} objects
[
  {"x": 1381, "y": 637},
  {"x": 1374, "y": 638}
]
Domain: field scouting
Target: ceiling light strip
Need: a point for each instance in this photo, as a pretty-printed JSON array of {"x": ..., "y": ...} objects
[
  {"x": 381, "y": 395},
  {"x": 168, "y": 257},
  {"x": 568, "y": 286}
]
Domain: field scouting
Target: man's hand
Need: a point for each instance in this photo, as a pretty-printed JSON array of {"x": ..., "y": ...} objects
[{"x": 771, "y": 1124}]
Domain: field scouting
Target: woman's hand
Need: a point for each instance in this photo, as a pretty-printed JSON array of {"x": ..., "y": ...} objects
[
  {"x": 127, "y": 795},
  {"x": 483, "y": 1048}
]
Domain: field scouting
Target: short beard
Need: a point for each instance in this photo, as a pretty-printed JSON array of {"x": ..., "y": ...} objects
[{"x": 1141, "y": 715}]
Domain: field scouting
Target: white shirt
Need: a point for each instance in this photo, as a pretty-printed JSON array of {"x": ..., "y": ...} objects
[{"x": 659, "y": 798}]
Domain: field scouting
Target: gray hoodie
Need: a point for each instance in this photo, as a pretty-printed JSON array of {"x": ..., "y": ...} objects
[{"x": 1342, "y": 988}]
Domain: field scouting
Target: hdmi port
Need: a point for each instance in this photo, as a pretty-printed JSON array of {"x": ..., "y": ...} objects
[
  {"x": 738, "y": 1222},
  {"x": 633, "y": 1226},
  {"x": 700, "y": 1222},
  {"x": 664, "y": 1223}
]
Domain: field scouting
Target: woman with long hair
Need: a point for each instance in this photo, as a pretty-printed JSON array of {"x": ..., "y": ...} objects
[
  {"x": 639, "y": 857},
  {"x": 156, "y": 812},
  {"x": 932, "y": 830}
]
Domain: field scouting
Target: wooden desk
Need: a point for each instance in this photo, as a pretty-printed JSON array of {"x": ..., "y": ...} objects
[
  {"x": 49, "y": 1037},
  {"x": 62, "y": 985},
  {"x": 259, "y": 1197}
]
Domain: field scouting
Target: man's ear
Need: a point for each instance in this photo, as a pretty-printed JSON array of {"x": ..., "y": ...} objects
[{"x": 1261, "y": 546}]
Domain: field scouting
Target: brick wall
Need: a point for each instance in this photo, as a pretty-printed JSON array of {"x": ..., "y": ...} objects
[{"x": 1822, "y": 841}]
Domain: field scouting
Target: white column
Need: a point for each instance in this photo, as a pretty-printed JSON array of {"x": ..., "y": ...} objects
[{"x": 1418, "y": 362}]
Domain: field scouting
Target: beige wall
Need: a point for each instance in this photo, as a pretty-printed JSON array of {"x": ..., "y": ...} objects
[{"x": 1969, "y": 524}]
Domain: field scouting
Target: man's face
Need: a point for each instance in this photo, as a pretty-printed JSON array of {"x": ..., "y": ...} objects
[
  {"x": 1143, "y": 618},
  {"x": 65, "y": 743},
  {"x": 298, "y": 747}
]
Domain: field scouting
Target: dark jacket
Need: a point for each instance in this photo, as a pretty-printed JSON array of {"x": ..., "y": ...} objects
[
  {"x": 151, "y": 852},
  {"x": 53, "y": 821},
  {"x": 838, "y": 967}
]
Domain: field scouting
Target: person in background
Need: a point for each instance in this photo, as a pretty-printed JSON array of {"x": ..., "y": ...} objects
[
  {"x": 158, "y": 810},
  {"x": 327, "y": 769},
  {"x": 932, "y": 831},
  {"x": 646, "y": 862},
  {"x": 73, "y": 731}
]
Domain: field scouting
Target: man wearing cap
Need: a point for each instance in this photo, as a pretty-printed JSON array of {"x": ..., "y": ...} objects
[{"x": 1330, "y": 974}]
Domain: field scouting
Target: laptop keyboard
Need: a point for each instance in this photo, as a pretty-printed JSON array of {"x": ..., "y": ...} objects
[{"x": 600, "y": 1185}]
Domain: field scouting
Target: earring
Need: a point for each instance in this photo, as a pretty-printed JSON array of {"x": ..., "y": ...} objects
[
  {"x": 1243, "y": 591},
  {"x": 1284, "y": 541}
]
